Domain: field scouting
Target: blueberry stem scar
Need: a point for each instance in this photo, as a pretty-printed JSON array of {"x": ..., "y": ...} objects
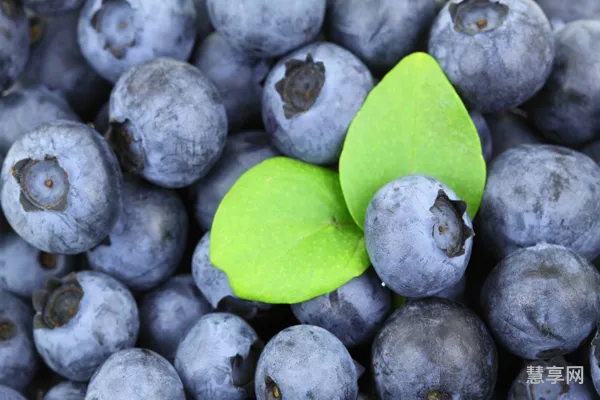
[
  {"x": 7, "y": 330},
  {"x": 58, "y": 303}
]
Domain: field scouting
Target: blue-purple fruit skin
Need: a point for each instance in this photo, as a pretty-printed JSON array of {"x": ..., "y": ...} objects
[
  {"x": 168, "y": 312},
  {"x": 7, "y": 393},
  {"x": 115, "y": 36},
  {"x": 303, "y": 362},
  {"x": 242, "y": 151},
  {"x": 567, "y": 110},
  {"x": 594, "y": 359},
  {"x": 67, "y": 390},
  {"x": 541, "y": 193},
  {"x": 485, "y": 136},
  {"x": 266, "y": 28},
  {"x": 317, "y": 135},
  {"x": 567, "y": 11},
  {"x": 147, "y": 243},
  {"x": 52, "y": 7},
  {"x": 438, "y": 335},
  {"x": 106, "y": 321},
  {"x": 14, "y": 42},
  {"x": 497, "y": 64},
  {"x": 542, "y": 301},
  {"x": 18, "y": 359},
  {"x": 217, "y": 358},
  {"x": 510, "y": 129},
  {"x": 380, "y": 32},
  {"x": 135, "y": 374},
  {"x": 354, "y": 312},
  {"x": 214, "y": 284},
  {"x": 174, "y": 121},
  {"x": 24, "y": 269},
  {"x": 402, "y": 239}
]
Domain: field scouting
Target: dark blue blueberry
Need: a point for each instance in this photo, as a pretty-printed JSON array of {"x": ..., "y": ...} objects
[
  {"x": 310, "y": 98},
  {"x": 135, "y": 374},
  {"x": 354, "y": 312},
  {"x": 541, "y": 193},
  {"x": 52, "y": 7},
  {"x": 266, "y": 28},
  {"x": 567, "y": 11},
  {"x": 168, "y": 312},
  {"x": 455, "y": 292},
  {"x": 594, "y": 359},
  {"x": 236, "y": 77},
  {"x": 81, "y": 320},
  {"x": 101, "y": 122},
  {"x": 485, "y": 136},
  {"x": 146, "y": 244},
  {"x": 14, "y": 41},
  {"x": 542, "y": 301},
  {"x": 380, "y": 32},
  {"x": 510, "y": 129},
  {"x": 168, "y": 122},
  {"x": 67, "y": 391},
  {"x": 61, "y": 187},
  {"x": 418, "y": 235},
  {"x": 56, "y": 61},
  {"x": 567, "y": 109},
  {"x": 203, "y": 24},
  {"x": 434, "y": 349},
  {"x": 24, "y": 269},
  {"x": 26, "y": 108},
  {"x": 242, "y": 152},
  {"x": 115, "y": 35},
  {"x": 7, "y": 393},
  {"x": 527, "y": 387},
  {"x": 214, "y": 284},
  {"x": 217, "y": 358},
  {"x": 18, "y": 359},
  {"x": 497, "y": 54},
  {"x": 305, "y": 362}
]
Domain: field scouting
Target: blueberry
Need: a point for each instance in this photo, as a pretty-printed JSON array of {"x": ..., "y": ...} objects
[
  {"x": 510, "y": 129},
  {"x": 18, "y": 359},
  {"x": 81, "y": 320},
  {"x": 497, "y": 54},
  {"x": 236, "y": 77},
  {"x": 168, "y": 312},
  {"x": 67, "y": 390},
  {"x": 434, "y": 349},
  {"x": 418, "y": 235},
  {"x": 115, "y": 35},
  {"x": 217, "y": 358},
  {"x": 146, "y": 244},
  {"x": 61, "y": 187},
  {"x": 454, "y": 292},
  {"x": 214, "y": 284},
  {"x": 380, "y": 32},
  {"x": 567, "y": 11},
  {"x": 14, "y": 41},
  {"x": 525, "y": 386},
  {"x": 242, "y": 152},
  {"x": 592, "y": 150},
  {"x": 305, "y": 362},
  {"x": 354, "y": 312},
  {"x": 485, "y": 135},
  {"x": 310, "y": 98},
  {"x": 266, "y": 28},
  {"x": 24, "y": 269},
  {"x": 56, "y": 61},
  {"x": 567, "y": 109},
  {"x": 203, "y": 24},
  {"x": 52, "y": 7},
  {"x": 168, "y": 123},
  {"x": 541, "y": 193},
  {"x": 7, "y": 393},
  {"x": 17, "y": 116},
  {"x": 542, "y": 301},
  {"x": 132, "y": 374},
  {"x": 594, "y": 360}
]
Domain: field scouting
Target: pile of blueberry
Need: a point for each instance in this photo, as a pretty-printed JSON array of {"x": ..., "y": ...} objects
[{"x": 124, "y": 123}]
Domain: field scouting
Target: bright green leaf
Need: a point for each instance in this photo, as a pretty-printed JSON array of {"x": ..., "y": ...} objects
[
  {"x": 413, "y": 121},
  {"x": 283, "y": 233}
]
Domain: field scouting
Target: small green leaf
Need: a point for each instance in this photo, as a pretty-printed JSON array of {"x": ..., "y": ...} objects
[
  {"x": 283, "y": 234},
  {"x": 413, "y": 121}
]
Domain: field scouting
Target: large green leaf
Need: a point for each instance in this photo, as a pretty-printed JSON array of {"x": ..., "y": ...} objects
[
  {"x": 413, "y": 121},
  {"x": 283, "y": 233}
]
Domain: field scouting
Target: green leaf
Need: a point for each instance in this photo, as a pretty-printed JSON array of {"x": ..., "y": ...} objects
[
  {"x": 283, "y": 233},
  {"x": 413, "y": 121}
]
